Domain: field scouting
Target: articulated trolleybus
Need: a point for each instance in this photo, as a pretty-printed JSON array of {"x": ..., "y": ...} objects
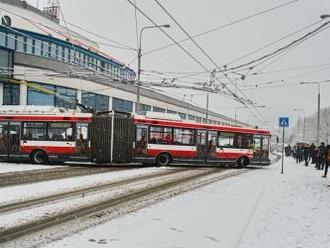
[
  {"x": 164, "y": 140},
  {"x": 42, "y": 134}
]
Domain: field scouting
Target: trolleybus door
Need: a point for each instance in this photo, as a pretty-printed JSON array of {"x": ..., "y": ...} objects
[
  {"x": 261, "y": 148},
  {"x": 201, "y": 144},
  {"x": 140, "y": 145},
  {"x": 212, "y": 145},
  {"x": 83, "y": 140},
  {"x": 10, "y": 138}
]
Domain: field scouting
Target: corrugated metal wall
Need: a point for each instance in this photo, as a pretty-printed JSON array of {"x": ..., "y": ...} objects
[{"x": 123, "y": 137}]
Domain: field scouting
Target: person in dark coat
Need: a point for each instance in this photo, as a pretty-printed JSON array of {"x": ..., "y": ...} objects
[
  {"x": 321, "y": 156},
  {"x": 327, "y": 161},
  {"x": 306, "y": 155},
  {"x": 312, "y": 153}
]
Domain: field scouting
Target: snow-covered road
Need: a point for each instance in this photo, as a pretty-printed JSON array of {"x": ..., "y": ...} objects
[
  {"x": 12, "y": 167},
  {"x": 260, "y": 209}
]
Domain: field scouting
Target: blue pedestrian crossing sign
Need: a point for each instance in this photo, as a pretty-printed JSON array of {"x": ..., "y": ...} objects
[{"x": 283, "y": 122}]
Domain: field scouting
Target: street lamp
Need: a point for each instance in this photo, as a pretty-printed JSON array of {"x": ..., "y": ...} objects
[
  {"x": 318, "y": 108},
  {"x": 137, "y": 109}
]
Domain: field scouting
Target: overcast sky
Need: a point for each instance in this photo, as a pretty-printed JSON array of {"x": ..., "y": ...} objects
[{"x": 115, "y": 20}]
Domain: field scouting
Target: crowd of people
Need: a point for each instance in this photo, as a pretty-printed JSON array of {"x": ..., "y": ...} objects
[{"x": 310, "y": 153}]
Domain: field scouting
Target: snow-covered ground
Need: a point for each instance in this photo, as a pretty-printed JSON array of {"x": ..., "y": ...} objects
[
  {"x": 256, "y": 210},
  {"x": 12, "y": 167},
  {"x": 39, "y": 189}
]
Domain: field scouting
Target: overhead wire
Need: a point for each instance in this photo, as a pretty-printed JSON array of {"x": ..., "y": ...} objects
[
  {"x": 285, "y": 52},
  {"x": 225, "y": 25},
  {"x": 272, "y": 43},
  {"x": 170, "y": 37},
  {"x": 293, "y": 69},
  {"x": 303, "y": 38},
  {"x": 206, "y": 54}
]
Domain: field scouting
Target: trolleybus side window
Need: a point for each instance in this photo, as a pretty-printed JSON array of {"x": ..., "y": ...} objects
[
  {"x": 184, "y": 137},
  {"x": 160, "y": 135},
  {"x": 34, "y": 131},
  {"x": 60, "y": 131},
  {"x": 226, "y": 139},
  {"x": 243, "y": 140}
]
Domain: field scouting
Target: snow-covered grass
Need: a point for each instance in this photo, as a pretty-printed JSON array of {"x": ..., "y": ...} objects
[{"x": 256, "y": 210}]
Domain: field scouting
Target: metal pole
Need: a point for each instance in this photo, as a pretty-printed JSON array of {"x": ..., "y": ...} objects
[
  {"x": 112, "y": 135},
  {"x": 318, "y": 113},
  {"x": 282, "y": 152},
  {"x": 235, "y": 116},
  {"x": 138, "y": 93},
  {"x": 207, "y": 108},
  {"x": 138, "y": 88}
]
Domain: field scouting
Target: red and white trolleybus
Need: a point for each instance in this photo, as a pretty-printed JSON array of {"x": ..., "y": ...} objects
[
  {"x": 163, "y": 141},
  {"x": 42, "y": 134}
]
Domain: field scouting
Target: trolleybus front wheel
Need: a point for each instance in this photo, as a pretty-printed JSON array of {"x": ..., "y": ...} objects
[
  {"x": 39, "y": 157},
  {"x": 242, "y": 162},
  {"x": 163, "y": 159}
]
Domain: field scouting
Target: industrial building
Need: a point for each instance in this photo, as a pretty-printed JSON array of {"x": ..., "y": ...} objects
[{"x": 44, "y": 63}]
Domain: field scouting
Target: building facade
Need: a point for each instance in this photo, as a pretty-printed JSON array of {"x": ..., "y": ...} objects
[{"x": 44, "y": 63}]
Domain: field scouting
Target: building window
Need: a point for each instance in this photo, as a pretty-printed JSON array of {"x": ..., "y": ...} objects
[
  {"x": 66, "y": 55},
  {"x": 6, "y": 21},
  {"x": 122, "y": 105},
  {"x": 11, "y": 94},
  {"x": 51, "y": 95},
  {"x": 145, "y": 108},
  {"x": 182, "y": 116},
  {"x": 2, "y": 39},
  {"x": 161, "y": 110},
  {"x": 45, "y": 49},
  {"x": 11, "y": 40},
  {"x": 37, "y": 48},
  {"x": 72, "y": 59},
  {"x": 191, "y": 117},
  {"x": 60, "y": 53},
  {"x": 40, "y": 95},
  {"x": 53, "y": 51},
  {"x": 69, "y": 94},
  {"x": 6, "y": 63},
  {"x": 20, "y": 44},
  {"x": 29, "y": 46},
  {"x": 95, "y": 101},
  {"x": 171, "y": 112}
]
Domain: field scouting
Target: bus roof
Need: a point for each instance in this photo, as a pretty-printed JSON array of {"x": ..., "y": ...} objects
[
  {"x": 42, "y": 113},
  {"x": 191, "y": 125}
]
